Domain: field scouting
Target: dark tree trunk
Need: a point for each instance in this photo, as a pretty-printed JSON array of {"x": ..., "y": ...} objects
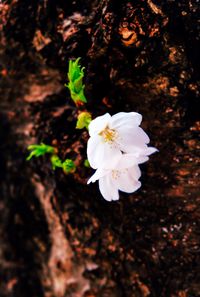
[{"x": 58, "y": 237}]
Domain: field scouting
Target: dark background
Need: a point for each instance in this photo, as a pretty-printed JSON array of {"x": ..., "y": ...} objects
[{"x": 58, "y": 237}]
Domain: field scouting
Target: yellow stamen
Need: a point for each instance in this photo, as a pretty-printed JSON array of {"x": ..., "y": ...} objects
[
  {"x": 108, "y": 134},
  {"x": 115, "y": 174}
]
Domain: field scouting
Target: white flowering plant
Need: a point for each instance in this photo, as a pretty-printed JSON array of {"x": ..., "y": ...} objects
[
  {"x": 117, "y": 145},
  {"x": 115, "y": 148}
]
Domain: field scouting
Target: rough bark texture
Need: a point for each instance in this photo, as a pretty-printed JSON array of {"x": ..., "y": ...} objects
[{"x": 58, "y": 237}]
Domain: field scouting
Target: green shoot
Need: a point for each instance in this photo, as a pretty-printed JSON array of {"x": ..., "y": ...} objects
[
  {"x": 75, "y": 85},
  {"x": 68, "y": 166},
  {"x": 38, "y": 150},
  {"x": 84, "y": 119}
]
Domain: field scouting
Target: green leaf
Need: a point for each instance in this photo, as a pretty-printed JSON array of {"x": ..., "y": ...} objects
[
  {"x": 84, "y": 119},
  {"x": 38, "y": 150}
]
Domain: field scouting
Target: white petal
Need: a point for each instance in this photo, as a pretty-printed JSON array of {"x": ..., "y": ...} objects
[
  {"x": 97, "y": 175},
  {"x": 128, "y": 160},
  {"x": 141, "y": 135},
  {"x": 131, "y": 139},
  {"x": 150, "y": 150},
  {"x": 136, "y": 134},
  {"x": 99, "y": 124},
  {"x": 136, "y": 184},
  {"x": 95, "y": 151},
  {"x": 107, "y": 188},
  {"x": 134, "y": 172},
  {"x": 102, "y": 154},
  {"x": 128, "y": 180},
  {"x": 144, "y": 151},
  {"x": 120, "y": 119},
  {"x": 112, "y": 155}
]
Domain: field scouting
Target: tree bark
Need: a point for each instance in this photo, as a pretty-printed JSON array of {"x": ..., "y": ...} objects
[{"x": 58, "y": 237}]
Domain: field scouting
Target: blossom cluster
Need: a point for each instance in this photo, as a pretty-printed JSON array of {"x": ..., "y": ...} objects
[{"x": 117, "y": 145}]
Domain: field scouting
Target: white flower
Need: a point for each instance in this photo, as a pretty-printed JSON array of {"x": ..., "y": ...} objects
[
  {"x": 111, "y": 136},
  {"x": 115, "y": 148},
  {"x": 124, "y": 177}
]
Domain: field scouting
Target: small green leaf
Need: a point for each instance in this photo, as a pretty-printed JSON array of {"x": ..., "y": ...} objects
[
  {"x": 38, "y": 150},
  {"x": 68, "y": 166},
  {"x": 84, "y": 119},
  {"x": 75, "y": 85},
  {"x": 56, "y": 162}
]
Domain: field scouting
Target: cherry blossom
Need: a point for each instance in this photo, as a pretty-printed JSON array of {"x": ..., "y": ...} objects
[
  {"x": 117, "y": 145},
  {"x": 111, "y": 136},
  {"x": 124, "y": 177}
]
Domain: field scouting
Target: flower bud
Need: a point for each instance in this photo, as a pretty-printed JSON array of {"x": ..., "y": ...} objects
[
  {"x": 68, "y": 166},
  {"x": 84, "y": 119}
]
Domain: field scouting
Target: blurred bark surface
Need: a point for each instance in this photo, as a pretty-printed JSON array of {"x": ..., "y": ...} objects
[{"x": 58, "y": 237}]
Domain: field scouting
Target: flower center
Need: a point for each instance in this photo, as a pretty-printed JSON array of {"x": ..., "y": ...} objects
[
  {"x": 116, "y": 174},
  {"x": 108, "y": 134}
]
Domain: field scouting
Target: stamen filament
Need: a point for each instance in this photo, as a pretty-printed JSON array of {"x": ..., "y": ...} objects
[{"x": 108, "y": 134}]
